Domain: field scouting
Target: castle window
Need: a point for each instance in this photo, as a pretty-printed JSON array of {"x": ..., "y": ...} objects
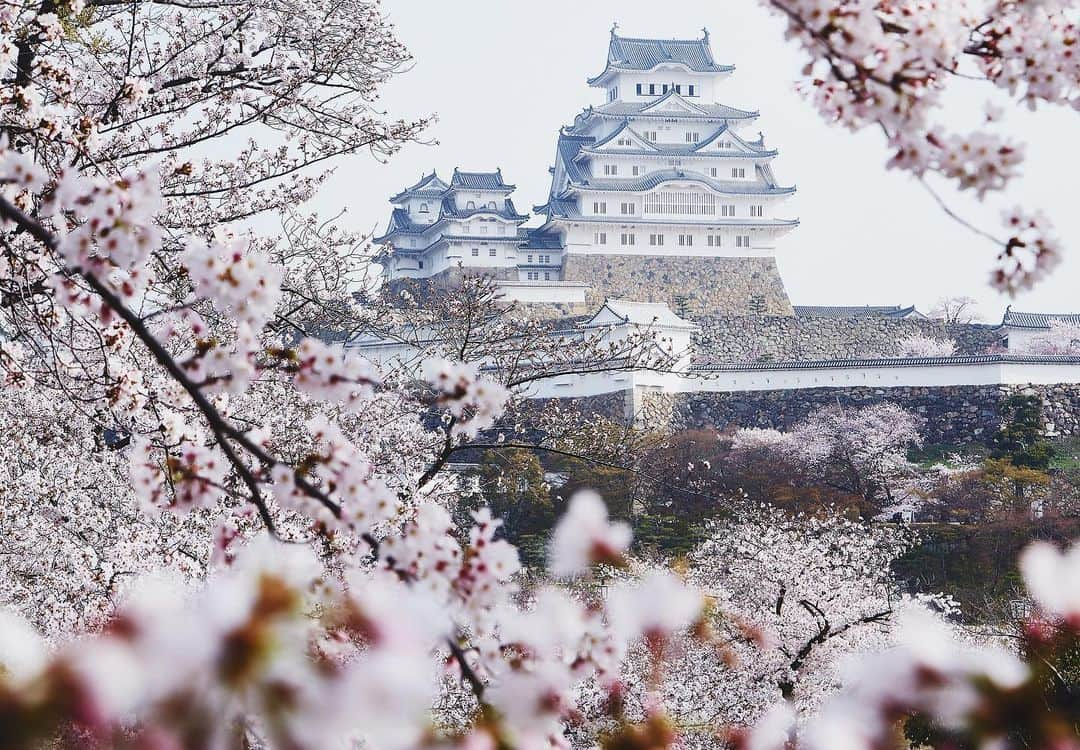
[
  {"x": 757, "y": 211},
  {"x": 639, "y": 89},
  {"x": 665, "y": 88},
  {"x": 635, "y": 169},
  {"x": 691, "y": 92},
  {"x": 530, "y": 259},
  {"x": 491, "y": 252},
  {"x": 491, "y": 205},
  {"x": 421, "y": 264},
  {"x": 678, "y": 88},
  {"x": 712, "y": 171},
  {"x": 475, "y": 251},
  {"x": 599, "y": 207},
  {"x": 728, "y": 209},
  {"x": 532, "y": 276},
  {"x": 656, "y": 240},
  {"x": 714, "y": 240},
  {"x": 628, "y": 238},
  {"x": 423, "y": 208},
  {"x": 483, "y": 228},
  {"x": 652, "y": 89},
  {"x": 601, "y": 238},
  {"x": 470, "y": 205},
  {"x": 686, "y": 240},
  {"x": 680, "y": 203},
  {"x": 738, "y": 172},
  {"x": 545, "y": 259},
  {"x": 627, "y": 208},
  {"x": 547, "y": 276},
  {"x": 611, "y": 169},
  {"x": 742, "y": 240}
]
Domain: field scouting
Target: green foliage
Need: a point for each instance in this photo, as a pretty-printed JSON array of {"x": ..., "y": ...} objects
[
  {"x": 977, "y": 563},
  {"x": 1020, "y": 439}
]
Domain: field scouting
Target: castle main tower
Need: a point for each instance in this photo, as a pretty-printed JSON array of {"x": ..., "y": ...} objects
[{"x": 662, "y": 193}]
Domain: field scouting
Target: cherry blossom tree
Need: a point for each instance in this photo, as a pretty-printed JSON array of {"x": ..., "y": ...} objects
[
  {"x": 269, "y": 505},
  {"x": 921, "y": 345},
  {"x": 861, "y": 450},
  {"x": 1063, "y": 339},
  {"x": 956, "y": 310},
  {"x": 887, "y": 66}
]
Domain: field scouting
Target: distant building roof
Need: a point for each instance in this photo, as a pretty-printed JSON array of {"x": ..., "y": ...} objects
[
  {"x": 1016, "y": 319},
  {"x": 755, "y": 148},
  {"x": 535, "y": 239},
  {"x": 505, "y": 211},
  {"x": 653, "y": 179},
  {"x": 627, "y": 53},
  {"x": 429, "y": 186},
  {"x": 693, "y": 111},
  {"x": 857, "y": 311},
  {"x": 479, "y": 180},
  {"x": 639, "y": 313}
]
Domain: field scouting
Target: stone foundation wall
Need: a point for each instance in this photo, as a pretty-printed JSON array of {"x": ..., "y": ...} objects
[
  {"x": 731, "y": 338},
  {"x": 691, "y": 286},
  {"x": 951, "y": 414}
]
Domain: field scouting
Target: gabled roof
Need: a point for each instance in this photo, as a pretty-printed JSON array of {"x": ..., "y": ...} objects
[
  {"x": 479, "y": 180},
  {"x": 653, "y": 179},
  {"x": 429, "y": 186},
  {"x": 672, "y": 97},
  {"x": 559, "y": 207},
  {"x": 536, "y": 239},
  {"x": 504, "y": 211},
  {"x": 695, "y": 111},
  {"x": 1016, "y": 319},
  {"x": 623, "y": 128},
  {"x": 401, "y": 223},
  {"x": 628, "y": 53},
  {"x": 749, "y": 149},
  {"x": 857, "y": 311},
  {"x": 637, "y": 313}
]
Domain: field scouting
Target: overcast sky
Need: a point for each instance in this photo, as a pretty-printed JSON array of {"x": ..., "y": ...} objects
[{"x": 504, "y": 75}]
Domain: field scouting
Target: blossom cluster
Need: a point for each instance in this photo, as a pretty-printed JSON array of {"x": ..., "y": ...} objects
[
  {"x": 887, "y": 64},
  {"x": 921, "y": 345},
  {"x": 471, "y": 401}
]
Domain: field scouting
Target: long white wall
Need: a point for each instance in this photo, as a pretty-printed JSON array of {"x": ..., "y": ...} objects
[{"x": 994, "y": 371}]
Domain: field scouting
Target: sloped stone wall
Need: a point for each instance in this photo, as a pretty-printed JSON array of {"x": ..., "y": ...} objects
[
  {"x": 729, "y": 338},
  {"x": 693, "y": 287},
  {"x": 951, "y": 414}
]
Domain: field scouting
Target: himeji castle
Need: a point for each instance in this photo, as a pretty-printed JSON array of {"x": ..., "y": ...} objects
[
  {"x": 663, "y": 215},
  {"x": 661, "y": 193}
]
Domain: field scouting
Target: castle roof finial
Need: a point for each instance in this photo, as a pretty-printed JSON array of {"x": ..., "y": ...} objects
[
  {"x": 705, "y": 31},
  {"x": 614, "y": 28}
]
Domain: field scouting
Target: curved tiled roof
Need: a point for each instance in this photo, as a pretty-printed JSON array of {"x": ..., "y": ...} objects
[
  {"x": 690, "y": 149},
  {"x": 629, "y": 53},
  {"x": 479, "y": 180},
  {"x": 639, "y": 109},
  {"x": 653, "y": 179},
  {"x": 1017, "y": 319},
  {"x": 855, "y": 311},
  {"x": 506, "y": 211},
  {"x": 429, "y": 186}
]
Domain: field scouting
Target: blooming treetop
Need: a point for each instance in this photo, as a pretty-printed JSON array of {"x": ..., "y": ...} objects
[
  {"x": 921, "y": 345},
  {"x": 339, "y": 589},
  {"x": 887, "y": 65}
]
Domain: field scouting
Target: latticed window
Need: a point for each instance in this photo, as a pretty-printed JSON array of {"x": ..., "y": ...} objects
[{"x": 680, "y": 203}]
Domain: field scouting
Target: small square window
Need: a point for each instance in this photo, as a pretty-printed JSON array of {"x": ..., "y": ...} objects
[{"x": 491, "y": 252}]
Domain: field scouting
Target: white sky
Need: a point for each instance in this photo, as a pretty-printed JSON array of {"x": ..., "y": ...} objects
[{"x": 504, "y": 75}]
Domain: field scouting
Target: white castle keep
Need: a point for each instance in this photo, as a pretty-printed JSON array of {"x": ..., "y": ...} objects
[{"x": 660, "y": 181}]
